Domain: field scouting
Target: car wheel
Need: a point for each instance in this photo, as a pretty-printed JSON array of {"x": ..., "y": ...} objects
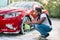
[{"x": 23, "y": 23}]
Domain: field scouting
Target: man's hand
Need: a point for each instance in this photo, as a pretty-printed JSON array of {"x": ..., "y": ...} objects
[
  {"x": 27, "y": 22},
  {"x": 32, "y": 22}
]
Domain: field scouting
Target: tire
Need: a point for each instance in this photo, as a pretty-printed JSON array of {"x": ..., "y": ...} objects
[{"x": 22, "y": 25}]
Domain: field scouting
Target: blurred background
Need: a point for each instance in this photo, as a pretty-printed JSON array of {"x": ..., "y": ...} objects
[{"x": 53, "y": 6}]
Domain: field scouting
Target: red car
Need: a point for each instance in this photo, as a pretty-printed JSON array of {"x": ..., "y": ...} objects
[
  {"x": 13, "y": 17},
  {"x": 11, "y": 20}
]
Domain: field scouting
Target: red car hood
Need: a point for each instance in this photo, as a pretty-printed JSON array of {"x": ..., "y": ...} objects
[{"x": 8, "y": 10}]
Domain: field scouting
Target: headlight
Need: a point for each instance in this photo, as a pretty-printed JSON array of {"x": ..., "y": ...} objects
[
  {"x": 13, "y": 14},
  {"x": 10, "y": 26}
]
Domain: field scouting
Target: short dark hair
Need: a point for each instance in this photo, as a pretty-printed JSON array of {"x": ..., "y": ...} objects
[{"x": 38, "y": 10}]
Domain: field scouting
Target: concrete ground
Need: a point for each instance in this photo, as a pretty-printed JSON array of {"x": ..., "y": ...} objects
[
  {"x": 34, "y": 35},
  {"x": 55, "y": 33}
]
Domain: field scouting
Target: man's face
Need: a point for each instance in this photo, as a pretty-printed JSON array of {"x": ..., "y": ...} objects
[{"x": 37, "y": 13}]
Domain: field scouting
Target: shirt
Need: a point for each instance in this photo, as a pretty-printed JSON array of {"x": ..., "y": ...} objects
[{"x": 46, "y": 22}]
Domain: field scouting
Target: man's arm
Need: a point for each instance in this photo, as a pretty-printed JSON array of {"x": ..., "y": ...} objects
[{"x": 39, "y": 21}]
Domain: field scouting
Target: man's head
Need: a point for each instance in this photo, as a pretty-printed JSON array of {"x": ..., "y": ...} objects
[{"x": 38, "y": 11}]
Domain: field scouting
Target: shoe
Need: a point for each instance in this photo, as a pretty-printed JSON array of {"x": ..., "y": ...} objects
[
  {"x": 46, "y": 35},
  {"x": 42, "y": 38}
]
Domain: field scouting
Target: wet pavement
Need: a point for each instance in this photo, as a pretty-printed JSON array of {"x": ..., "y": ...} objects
[{"x": 34, "y": 35}]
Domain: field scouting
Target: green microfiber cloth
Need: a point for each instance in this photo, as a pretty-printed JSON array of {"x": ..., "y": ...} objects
[{"x": 27, "y": 27}]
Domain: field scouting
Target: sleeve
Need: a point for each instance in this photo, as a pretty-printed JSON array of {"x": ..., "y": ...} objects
[{"x": 43, "y": 15}]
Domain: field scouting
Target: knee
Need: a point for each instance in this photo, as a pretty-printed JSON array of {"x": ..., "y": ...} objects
[{"x": 36, "y": 26}]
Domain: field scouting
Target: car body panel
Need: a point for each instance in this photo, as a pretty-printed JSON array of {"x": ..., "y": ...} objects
[{"x": 14, "y": 21}]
